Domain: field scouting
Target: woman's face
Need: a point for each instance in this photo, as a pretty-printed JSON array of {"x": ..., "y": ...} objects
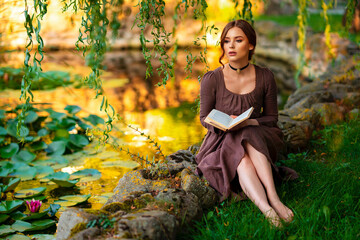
[{"x": 236, "y": 45}]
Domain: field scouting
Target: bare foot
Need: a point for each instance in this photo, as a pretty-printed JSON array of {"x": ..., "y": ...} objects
[
  {"x": 273, "y": 218},
  {"x": 283, "y": 211}
]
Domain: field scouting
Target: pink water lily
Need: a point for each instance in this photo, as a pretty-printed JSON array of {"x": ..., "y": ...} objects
[{"x": 34, "y": 205}]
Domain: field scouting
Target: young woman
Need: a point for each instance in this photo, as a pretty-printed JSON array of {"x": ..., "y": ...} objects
[{"x": 245, "y": 155}]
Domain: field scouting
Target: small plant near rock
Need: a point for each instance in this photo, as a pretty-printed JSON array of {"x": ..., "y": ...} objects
[{"x": 103, "y": 222}]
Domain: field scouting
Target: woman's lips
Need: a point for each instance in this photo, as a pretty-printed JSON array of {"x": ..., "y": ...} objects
[{"x": 232, "y": 53}]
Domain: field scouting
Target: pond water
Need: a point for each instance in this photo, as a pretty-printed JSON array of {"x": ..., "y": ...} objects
[{"x": 168, "y": 114}]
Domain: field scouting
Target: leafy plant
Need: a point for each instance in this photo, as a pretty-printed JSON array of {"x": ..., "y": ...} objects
[{"x": 103, "y": 222}]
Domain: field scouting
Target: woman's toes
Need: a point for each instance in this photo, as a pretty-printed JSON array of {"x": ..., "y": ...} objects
[{"x": 273, "y": 218}]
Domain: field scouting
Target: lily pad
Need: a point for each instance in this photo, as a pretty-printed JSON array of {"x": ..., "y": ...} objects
[
  {"x": 40, "y": 198},
  {"x": 57, "y": 116},
  {"x": 43, "y": 171},
  {"x": 76, "y": 198},
  {"x": 11, "y": 128},
  {"x": 86, "y": 175},
  {"x": 9, "y": 150},
  {"x": 12, "y": 184},
  {"x": 3, "y": 217},
  {"x": 29, "y": 193},
  {"x": 3, "y": 131},
  {"x": 62, "y": 179},
  {"x": 95, "y": 120},
  {"x": 23, "y": 156},
  {"x": 31, "y": 117},
  {"x": 36, "y": 146},
  {"x": 42, "y": 224},
  {"x": 2, "y": 114},
  {"x": 79, "y": 140},
  {"x": 42, "y": 132},
  {"x": 17, "y": 237},
  {"x": 10, "y": 206},
  {"x": 65, "y": 183},
  {"x": 43, "y": 237},
  {"x": 72, "y": 109},
  {"x": 72, "y": 200},
  {"x": 84, "y": 125},
  {"x": 25, "y": 173},
  {"x": 35, "y": 215},
  {"x": 64, "y": 203},
  {"x": 99, "y": 199},
  {"x": 120, "y": 163},
  {"x": 56, "y": 148},
  {"x": 55, "y": 162},
  {"x": 5, "y": 230},
  {"x": 61, "y": 134},
  {"x": 21, "y": 226},
  {"x": 17, "y": 215}
]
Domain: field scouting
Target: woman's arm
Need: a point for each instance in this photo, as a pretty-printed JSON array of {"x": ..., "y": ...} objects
[
  {"x": 270, "y": 109},
  {"x": 208, "y": 99}
]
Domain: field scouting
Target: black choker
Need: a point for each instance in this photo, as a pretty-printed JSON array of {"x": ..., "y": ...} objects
[{"x": 238, "y": 70}]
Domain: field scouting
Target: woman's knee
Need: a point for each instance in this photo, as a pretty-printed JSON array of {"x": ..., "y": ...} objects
[{"x": 245, "y": 162}]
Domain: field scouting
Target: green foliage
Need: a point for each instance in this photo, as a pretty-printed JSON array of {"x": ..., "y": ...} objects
[
  {"x": 244, "y": 12},
  {"x": 325, "y": 198},
  {"x": 103, "y": 222},
  {"x": 31, "y": 72},
  {"x": 11, "y": 78}
]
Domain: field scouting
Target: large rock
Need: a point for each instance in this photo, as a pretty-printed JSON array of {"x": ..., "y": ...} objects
[
  {"x": 72, "y": 221},
  {"x": 296, "y": 133},
  {"x": 155, "y": 225},
  {"x": 330, "y": 113},
  {"x": 207, "y": 196},
  {"x": 135, "y": 182},
  {"x": 185, "y": 204},
  {"x": 89, "y": 233}
]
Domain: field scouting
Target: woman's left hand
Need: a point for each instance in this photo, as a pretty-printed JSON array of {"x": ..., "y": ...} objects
[{"x": 247, "y": 122}]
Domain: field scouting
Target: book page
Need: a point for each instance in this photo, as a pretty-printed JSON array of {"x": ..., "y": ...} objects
[
  {"x": 220, "y": 117},
  {"x": 245, "y": 115}
]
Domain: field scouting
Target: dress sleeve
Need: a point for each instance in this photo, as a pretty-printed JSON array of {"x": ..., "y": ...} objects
[
  {"x": 269, "y": 116},
  {"x": 207, "y": 99}
]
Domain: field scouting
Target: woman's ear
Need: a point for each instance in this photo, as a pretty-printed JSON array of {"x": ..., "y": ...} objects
[{"x": 251, "y": 47}]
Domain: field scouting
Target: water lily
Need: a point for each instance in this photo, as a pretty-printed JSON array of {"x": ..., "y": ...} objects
[{"x": 34, "y": 205}]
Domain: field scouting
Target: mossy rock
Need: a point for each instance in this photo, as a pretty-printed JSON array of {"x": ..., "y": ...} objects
[{"x": 77, "y": 228}]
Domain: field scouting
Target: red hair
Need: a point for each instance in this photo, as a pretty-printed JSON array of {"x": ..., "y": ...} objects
[{"x": 246, "y": 28}]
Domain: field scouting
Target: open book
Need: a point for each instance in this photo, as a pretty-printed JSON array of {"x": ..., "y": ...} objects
[{"x": 225, "y": 122}]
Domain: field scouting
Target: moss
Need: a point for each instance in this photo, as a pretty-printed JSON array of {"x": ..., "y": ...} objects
[
  {"x": 129, "y": 205},
  {"x": 96, "y": 211},
  {"x": 113, "y": 207},
  {"x": 77, "y": 228}
]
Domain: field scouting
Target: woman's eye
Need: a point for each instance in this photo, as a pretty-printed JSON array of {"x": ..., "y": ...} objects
[
  {"x": 226, "y": 41},
  {"x": 238, "y": 40}
]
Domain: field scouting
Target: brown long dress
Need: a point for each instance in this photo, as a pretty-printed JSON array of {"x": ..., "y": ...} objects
[{"x": 221, "y": 152}]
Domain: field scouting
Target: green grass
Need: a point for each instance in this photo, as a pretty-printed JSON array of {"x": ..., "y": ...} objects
[{"x": 325, "y": 198}]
